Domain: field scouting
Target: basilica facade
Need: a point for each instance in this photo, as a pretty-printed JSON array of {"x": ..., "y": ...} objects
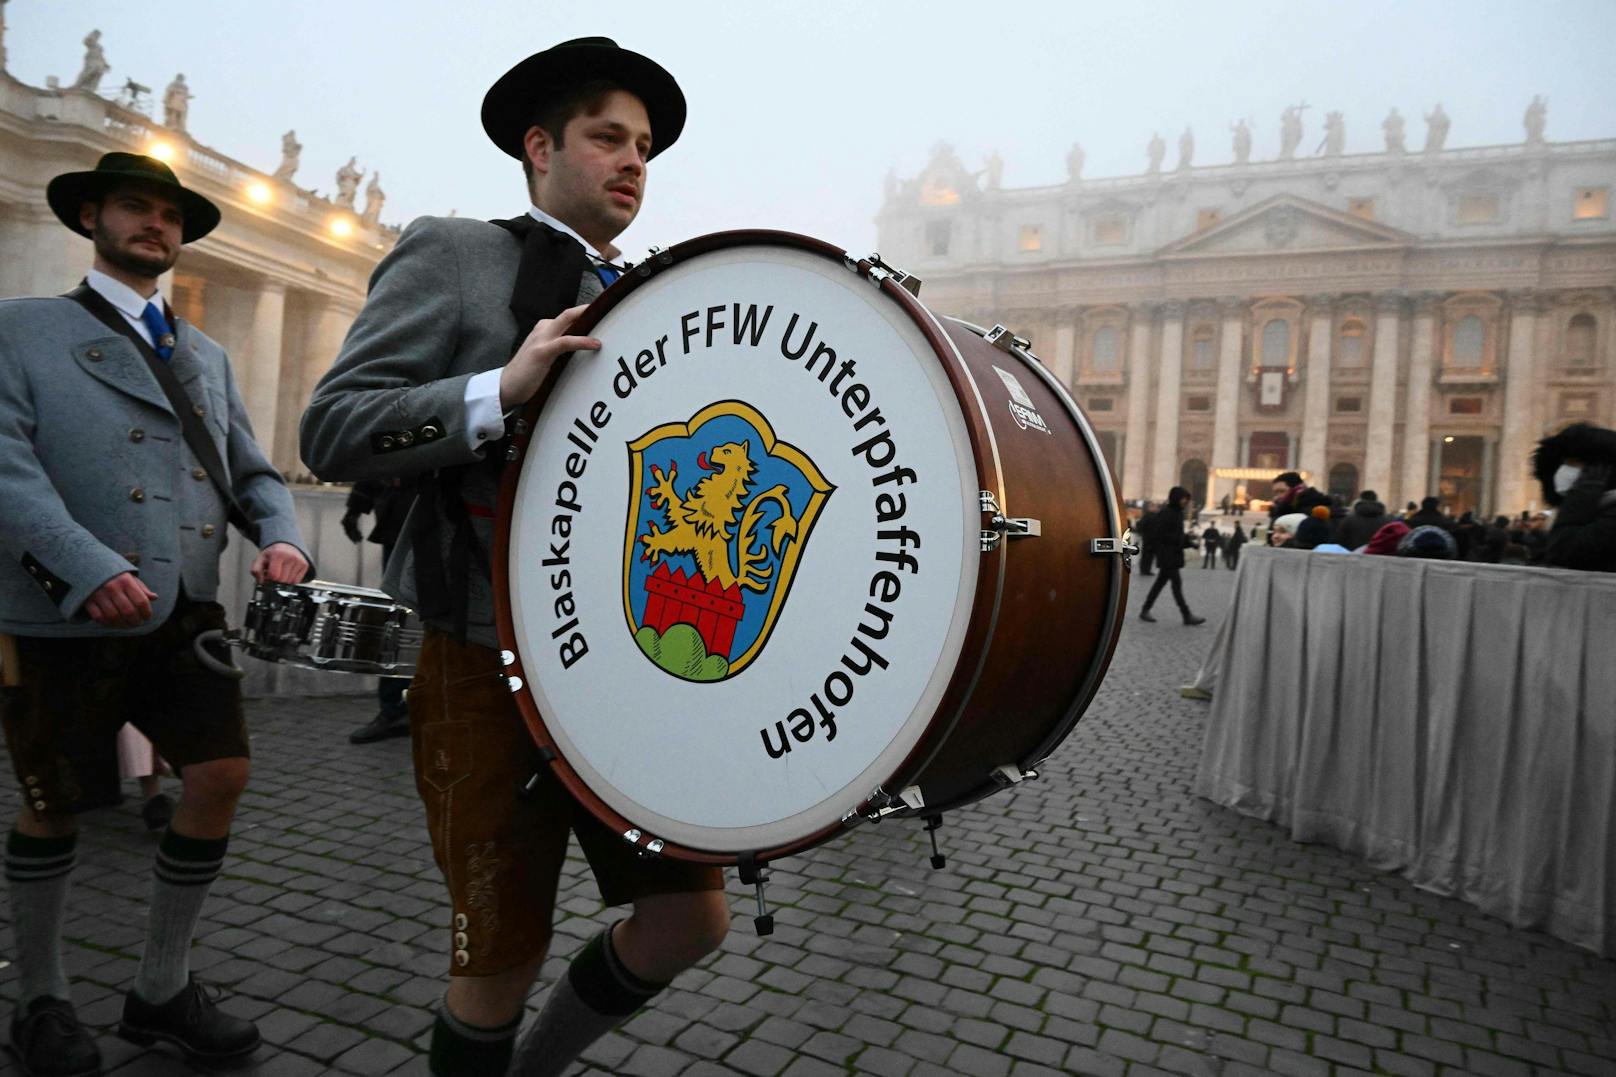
[
  {"x": 1409, "y": 321},
  {"x": 278, "y": 283}
]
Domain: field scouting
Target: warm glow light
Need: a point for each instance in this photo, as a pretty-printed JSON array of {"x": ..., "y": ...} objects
[
  {"x": 1448, "y": 440},
  {"x": 162, "y": 151},
  {"x": 259, "y": 192},
  {"x": 341, "y": 227}
]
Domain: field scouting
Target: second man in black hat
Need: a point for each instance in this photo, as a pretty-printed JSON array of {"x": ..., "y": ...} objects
[{"x": 464, "y": 320}]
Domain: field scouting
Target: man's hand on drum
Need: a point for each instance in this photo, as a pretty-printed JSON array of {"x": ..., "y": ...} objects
[
  {"x": 549, "y": 341},
  {"x": 121, "y": 602},
  {"x": 280, "y": 562}
]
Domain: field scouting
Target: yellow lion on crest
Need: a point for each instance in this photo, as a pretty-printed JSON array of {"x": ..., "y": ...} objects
[{"x": 703, "y": 522}]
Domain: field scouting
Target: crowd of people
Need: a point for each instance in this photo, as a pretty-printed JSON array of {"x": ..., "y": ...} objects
[{"x": 1575, "y": 467}]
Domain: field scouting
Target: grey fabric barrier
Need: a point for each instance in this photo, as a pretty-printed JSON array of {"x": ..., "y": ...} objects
[{"x": 1452, "y": 722}]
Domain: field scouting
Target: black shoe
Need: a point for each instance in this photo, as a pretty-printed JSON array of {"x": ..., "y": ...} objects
[
  {"x": 158, "y": 812},
  {"x": 1144, "y": 615},
  {"x": 191, "y": 1021},
  {"x": 381, "y": 727},
  {"x": 1191, "y": 619},
  {"x": 50, "y": 1042}
]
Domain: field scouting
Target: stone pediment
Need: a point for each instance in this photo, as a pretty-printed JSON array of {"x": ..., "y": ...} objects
[{"x": 1287, "y": 224}]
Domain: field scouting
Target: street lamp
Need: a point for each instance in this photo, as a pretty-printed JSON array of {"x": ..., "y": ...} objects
[{"x": 259, "y": 193}]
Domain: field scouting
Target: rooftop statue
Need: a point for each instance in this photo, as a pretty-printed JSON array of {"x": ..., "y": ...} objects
[
  {"x": 348, "y": 177},
  {"x": 291, "y": 152},
  {"x": 1536, "y": 119},
  {"x": 1335, "y": 134},
  {"x": 374, "y": 197},
  {"x": 1290, "y": 131},
  {"x": 1436, "y": 129},
  {"x": 176, "y": 103},
  {"x": 1074, "y": 162},
  {"x": 1155, "y": 152},
  {"x": 1186, "y": 149},
  {"x": 95, "y": 63},
  {"x": 1242, "y": 141},
  {"x": 1392, "y": 127}
]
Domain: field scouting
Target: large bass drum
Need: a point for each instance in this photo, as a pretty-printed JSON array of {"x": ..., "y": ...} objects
[{"x": 791, "y": 552}]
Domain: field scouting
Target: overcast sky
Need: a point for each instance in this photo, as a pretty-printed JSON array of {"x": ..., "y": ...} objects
[{"x": 797, "y": 110}]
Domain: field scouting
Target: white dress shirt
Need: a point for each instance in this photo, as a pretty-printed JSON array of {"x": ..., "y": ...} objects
[
  {"x": 485, "y": 419},
  {"x": 127, "y": 301}
]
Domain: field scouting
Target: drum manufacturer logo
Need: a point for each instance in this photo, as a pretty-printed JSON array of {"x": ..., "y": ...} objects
[
  {"x": 1022, "y": 409},
  {"x": 719, "y": 513}
]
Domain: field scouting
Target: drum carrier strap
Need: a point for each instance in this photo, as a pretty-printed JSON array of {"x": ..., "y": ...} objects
[
  {"x": 196, "y": 436},
  {"x": 547, "y": 283}
]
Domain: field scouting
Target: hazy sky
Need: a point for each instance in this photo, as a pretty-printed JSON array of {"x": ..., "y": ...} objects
[{"x": 797, "y": 110}]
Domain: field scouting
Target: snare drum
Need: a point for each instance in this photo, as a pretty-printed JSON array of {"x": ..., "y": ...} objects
[
  {"x": 330, "y": 626},
  {"x": 791, "y": 552}
]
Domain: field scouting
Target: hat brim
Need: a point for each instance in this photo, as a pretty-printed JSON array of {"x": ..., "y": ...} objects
[
  {"x": 67, "y": 193},
  {"x": 510, "y": 104}
]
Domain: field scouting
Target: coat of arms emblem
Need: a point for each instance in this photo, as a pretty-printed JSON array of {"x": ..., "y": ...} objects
[{"x": 720, "y": 511}]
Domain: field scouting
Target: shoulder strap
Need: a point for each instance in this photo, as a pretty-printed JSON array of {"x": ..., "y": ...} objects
[{"x": 196, "y": 436}]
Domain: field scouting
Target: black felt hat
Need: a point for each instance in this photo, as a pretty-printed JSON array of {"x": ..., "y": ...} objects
[
  {"x": 513, "y": 101},
  {"x": 69, "y": 191}
]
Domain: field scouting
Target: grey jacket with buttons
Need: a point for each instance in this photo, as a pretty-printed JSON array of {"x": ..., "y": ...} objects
[
  {"x": 393, "y": 404},
  {"x": 96, "y": 478}
]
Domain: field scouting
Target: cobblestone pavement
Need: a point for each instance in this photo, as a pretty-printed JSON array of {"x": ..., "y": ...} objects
[{"x": 1099, "y": 921}]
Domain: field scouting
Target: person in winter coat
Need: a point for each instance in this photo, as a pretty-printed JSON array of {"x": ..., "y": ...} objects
[
  {"x": 1368, "y": 515},
  {"x": 1168, "y": 538},
  {"x": 1577, "y": 470},
  {"x": 1291, "y": 494},
  {"x": 1231, "y": 549},
  {"x": 1211, "y": 543},
  {"x": 1430, "y": 515}
]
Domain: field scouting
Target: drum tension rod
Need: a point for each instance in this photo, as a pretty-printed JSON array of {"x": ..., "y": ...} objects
[
  {"x": 934, "y": 823},
  {"x": 755, "y": 874}
]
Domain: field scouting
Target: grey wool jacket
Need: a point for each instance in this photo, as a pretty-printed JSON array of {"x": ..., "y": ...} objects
[
  {"x": 96, "y": 478},
  {"x": 393, "y": 403}
]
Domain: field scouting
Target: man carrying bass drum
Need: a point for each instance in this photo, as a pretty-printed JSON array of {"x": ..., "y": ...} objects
[{"x": 464, "y": 321}]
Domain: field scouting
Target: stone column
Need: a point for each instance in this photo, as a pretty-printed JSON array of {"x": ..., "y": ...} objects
[
  {"x": 1316, "y": 395},
  {"x": 1417, "y": 419},
  {"x": 1515, "y": 484},
  {"x": 1226, "y": 405},
  {"x": 1382, "y": 395},
  {"x": 259, "y": 370},
  {"x": 327, "y": 323},
  {"x": 1164, "y": 456},
  {"x": 1065, "y": 365},
  {"x": 1140, "y": 320}
]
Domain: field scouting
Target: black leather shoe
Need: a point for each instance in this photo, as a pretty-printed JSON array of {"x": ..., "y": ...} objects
[
  {"x": 380, "y": 728},
  {"x": 191, "y": 1021},
  {"x": 157, "y": 812},
  {"x": 49, "y": 1041},
  {"x": 1144, "y": 615},
  {"x": 1191, "y": 619}
]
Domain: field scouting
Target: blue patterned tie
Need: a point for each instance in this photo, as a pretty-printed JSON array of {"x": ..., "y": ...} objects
[
  {"x": 162, "y": 334},
  {"x": 607, "y": 273}
]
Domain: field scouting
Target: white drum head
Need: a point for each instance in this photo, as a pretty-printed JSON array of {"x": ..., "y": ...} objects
[{"x": 743, "y": 549}]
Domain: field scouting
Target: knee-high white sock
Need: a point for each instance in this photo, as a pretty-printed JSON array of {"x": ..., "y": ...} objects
[
  {"x": 184, "y": 873},
  {"x": 594, "y": 997},
  {"x": 37, "y": 870}
]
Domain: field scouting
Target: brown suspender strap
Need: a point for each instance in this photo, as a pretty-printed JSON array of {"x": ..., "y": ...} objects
[{"x": 196, "y": 436}]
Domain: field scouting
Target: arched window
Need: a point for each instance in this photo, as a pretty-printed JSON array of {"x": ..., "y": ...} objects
[
  {"x": 1106, "y": 348},
  {"x": 1351, "y": 346},
  {"x": 1202, "y": 348},
  {"x": 1344, "y": 482},
  {"x": 1580, "y": 336},
  {"x": 1192, "y": 477},
  {"x": 1276, "y": 343},
  {"x": 1469, "y": 341}
]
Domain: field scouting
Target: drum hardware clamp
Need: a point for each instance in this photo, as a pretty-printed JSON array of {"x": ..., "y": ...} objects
[
  {"x": 661, "y": 256},
  {"x": 1001, "y": 525},
  {"x": 1125, "y": 547},
  {"x": 878, "y": 271},
  {"x": 756, "y": 875},
  {"x": 1007, "y": 341},
  {"x": 1010, "y": 774},
  {"x": 934, "y": 823}
]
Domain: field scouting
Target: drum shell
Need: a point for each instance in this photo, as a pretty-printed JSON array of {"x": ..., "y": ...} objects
[{"x": 1071, "y": 631}]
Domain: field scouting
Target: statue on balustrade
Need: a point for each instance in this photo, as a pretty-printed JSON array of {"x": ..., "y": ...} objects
[
  {"x": 1335, "y": 134},
  {"x": 176, "y": 103},
  {"x": 374, "y": 197},
  {"x": 291, "y": 153},
  {"x": 1242, "y": 141},
  {"x": 1436, "y": 129},
  {"x": 1392, "y": 127},
  {"x": 1155, "y": 152},
  {"x": 2, "y": 35},
  {"x": 1290, "y": 131},
  {"x": 993, "y": 170},
  {"x": 95, "y": 64},
  {"x": 1535, "y": 120},
  {"x": 348, "y": 177},
  {"x": 1186, "y": 149},
  {"x": 1074, "y": 163}
]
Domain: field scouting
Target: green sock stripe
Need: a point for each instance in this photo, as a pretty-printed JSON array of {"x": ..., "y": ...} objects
[
  {"x": 22, "y": 846},
  {"x": 176, "y": 848}
]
